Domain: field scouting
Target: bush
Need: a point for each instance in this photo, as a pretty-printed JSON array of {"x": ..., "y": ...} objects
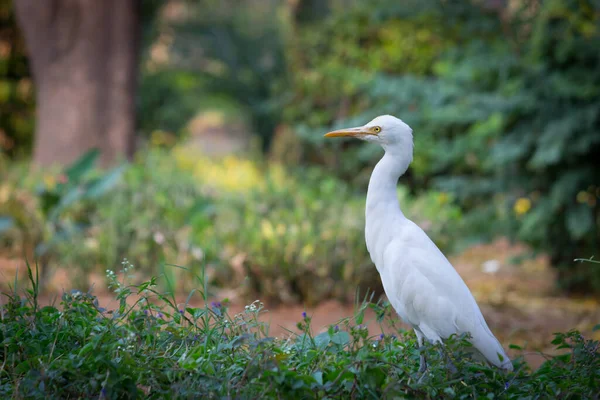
[
  {"x": 506, "y": 118},
  {"x": 269, "y": 231},
  {"x": 160, "y": 349},
  {"x": 282, "y": 229},
  {"x": 43, "y": 225},
  {"x": 146, "y": 219}
]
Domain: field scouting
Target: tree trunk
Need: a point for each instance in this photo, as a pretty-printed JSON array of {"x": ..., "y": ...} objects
[{"x": 84, "y": 60}]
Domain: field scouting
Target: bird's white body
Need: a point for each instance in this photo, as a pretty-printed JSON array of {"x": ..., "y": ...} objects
[{"x": 419, "y": 281}]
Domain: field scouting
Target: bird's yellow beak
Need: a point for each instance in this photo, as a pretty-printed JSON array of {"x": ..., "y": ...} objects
[{"x": 351, "y": 132}]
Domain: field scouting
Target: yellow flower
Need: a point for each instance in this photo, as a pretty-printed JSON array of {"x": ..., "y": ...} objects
[
  {"x": 278, "y": 175},
  {"x": 307, "y": 251},
  {"x": 50, "y": 182},
  {"x": 443, "y": 198},
  {"x": 522, "y": 205},
  {"x": 266, "y": 229},
  {"x": 280, "y": 229},
  {"x": 184, "y": 160},
  {"x": 583, "y": 197},
  {"x": 586, "y": 197}
]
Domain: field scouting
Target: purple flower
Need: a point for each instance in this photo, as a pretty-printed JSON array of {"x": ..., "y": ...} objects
[
  {"x": 215, "y": 304},
  {"x": 146, "y": 312},
  {"x": 181, "y": 312},
  {"x": 103, "y": 392},
  {"x": 506, "y": 385},
  {"x": 381, "y": 337},
  {"x": 303, "y": 314},
  {"x": 336, "y": 328},
  {"x": 159, "y": 315}
]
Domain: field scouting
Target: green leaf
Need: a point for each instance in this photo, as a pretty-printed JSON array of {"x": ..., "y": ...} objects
[
  {"x": 82, "y": 166},
  {"x": 104, "y": 184},
  {"x": 360, "y": 316},
  {"x": 48, "y": 201},
  {"x": 71, "y": 197},
  {"x": 322, "y": 340},
  {"x": 6, "y": 223},
  {"x": 580, "y": 220},
  {"x": 318, "y": 377},
  {"x": 86, "y": 349},
  {"x": 341, "y": 338},
  {"x": 202, "y": 206},
  {"x": 239, "y": 340},
  {"x": 449, "y": 391}
]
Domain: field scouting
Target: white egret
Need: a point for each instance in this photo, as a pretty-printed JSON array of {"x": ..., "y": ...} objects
[{"x": 419, "y": 281}]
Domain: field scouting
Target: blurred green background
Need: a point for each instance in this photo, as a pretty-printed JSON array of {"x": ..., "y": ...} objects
[{"x": 231, "y": 175}]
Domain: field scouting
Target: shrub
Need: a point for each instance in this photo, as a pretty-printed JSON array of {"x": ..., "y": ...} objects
[
  {"x": 506, "y": 118},
  {"x": 160, "y": 349},
  {"x": 46, "y": 227},
  {"x": 265, "y": 229},
  {"x": 298, "y": 234},
  {"x": 147, "y": 219}
]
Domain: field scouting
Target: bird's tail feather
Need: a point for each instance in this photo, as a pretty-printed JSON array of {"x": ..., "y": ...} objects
[{"x": 491, "y": 349}]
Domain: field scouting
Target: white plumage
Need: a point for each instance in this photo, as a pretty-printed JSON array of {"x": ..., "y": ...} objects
[{"x": 419, "y": 281}]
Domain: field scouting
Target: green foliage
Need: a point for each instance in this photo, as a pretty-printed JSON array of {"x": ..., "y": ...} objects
[
  {"x": 281, "y": 234},
  {"x": 506, "y": 118},
  {"x": 80, "y": 183},
  {"x": 168, "y": 100},
  {"x": 539, "y": 121},
  {"x": 63, "y": 204},
  {"x": 311, "y": 229},
  {"x": 308, "y": 229},
  {"x": 157, "y": 348},
  {"x": 17, "y": 105},
  {"x": 147, "y": 218},
  {"x": 235, "y": 50},
  {"x": 329, "y": 77}
]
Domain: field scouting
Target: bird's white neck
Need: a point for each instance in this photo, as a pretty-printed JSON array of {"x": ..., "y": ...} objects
[
  {"x": 383, "y": 213},
  {"x": 382, "y": 192}
]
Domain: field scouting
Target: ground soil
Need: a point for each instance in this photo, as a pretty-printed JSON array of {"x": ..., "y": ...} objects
[{"x": 520, "y": 302}]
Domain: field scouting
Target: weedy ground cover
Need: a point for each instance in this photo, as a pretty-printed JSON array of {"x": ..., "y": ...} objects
[{"x": 157, "y": 348}]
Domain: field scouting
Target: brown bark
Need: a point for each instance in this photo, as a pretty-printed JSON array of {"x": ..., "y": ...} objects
[{"x": 84, "y": 59}]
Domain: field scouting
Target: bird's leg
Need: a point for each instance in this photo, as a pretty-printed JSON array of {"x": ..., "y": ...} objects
[
  {"x": 422, "y": 359},
  {"x": 449, "y": 364},
  {"x": 422, "y": 364}
]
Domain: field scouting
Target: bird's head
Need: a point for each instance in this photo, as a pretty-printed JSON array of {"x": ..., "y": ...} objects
[{"x": 393, "y": 134}]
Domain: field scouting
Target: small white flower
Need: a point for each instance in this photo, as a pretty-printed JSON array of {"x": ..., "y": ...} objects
[
  {"x": 197, "y": 253},
  {"x": 159, "y": 238}
]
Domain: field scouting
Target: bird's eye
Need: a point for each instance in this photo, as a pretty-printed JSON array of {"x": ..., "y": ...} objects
[{"x": 377, "y": 129}]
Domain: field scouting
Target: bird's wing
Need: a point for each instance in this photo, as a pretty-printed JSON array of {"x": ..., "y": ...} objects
[{"x": 432, "y": 295}]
